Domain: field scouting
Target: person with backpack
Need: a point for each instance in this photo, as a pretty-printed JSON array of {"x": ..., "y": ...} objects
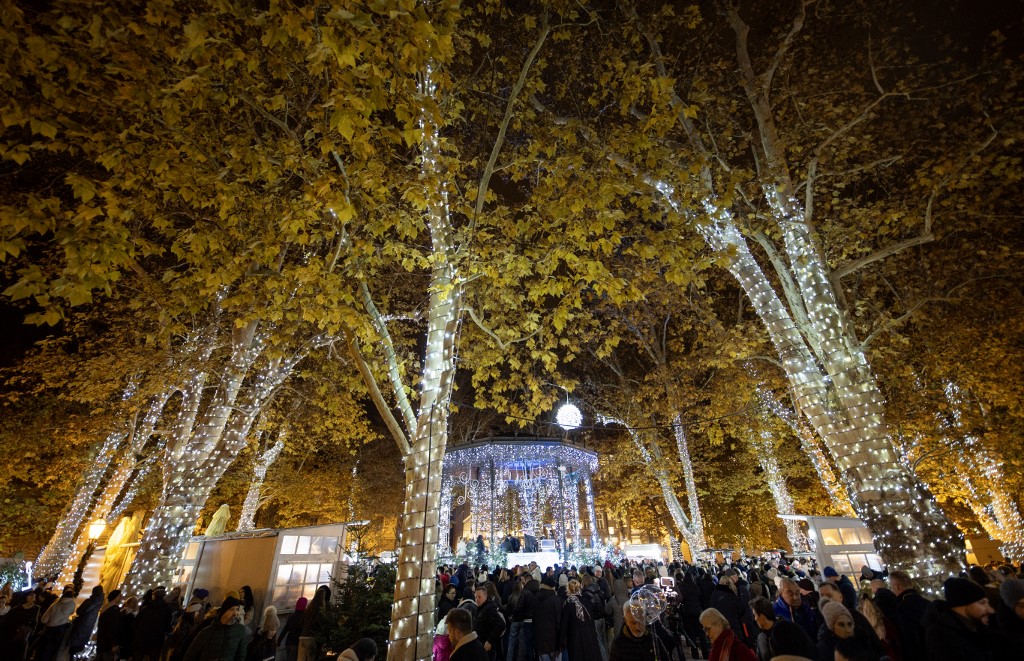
[{"x": 594, "y": 600}]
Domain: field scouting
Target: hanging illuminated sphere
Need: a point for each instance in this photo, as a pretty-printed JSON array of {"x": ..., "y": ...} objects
[{"x": 569, "y": 417}]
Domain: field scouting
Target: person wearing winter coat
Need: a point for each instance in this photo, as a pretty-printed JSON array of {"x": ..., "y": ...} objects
[
  {"x": 449, "y": 600},
  {"x": 442, "y": 649},
  {"x": 85, "y": 621},
  {"x": 547, "y": 609},
  {"x": 520, "y": 641},
  {"x": 838, "y": 625},
  {"x": 725, "y": 645},
  {"x": 911, "y": 608},
  {"x": 152, "y": 625},
  {"x": 689, "y": 600},
  {"x": 845, "y": 586},
  {"x": 593, "y": 599},
  {"x": 957, "y": 628},
  {"x": 18, "y": 626},
  {"x": 778, "y": 637},
  {"x": 263, "y": 646},
  {"x": 224, "y": 639},
  {"x": 613, "y": 609},
  {"x": 576, "y": 632},
  {"x": 289, "y": 634},
  {"x": 791, "y": 606},
  {"x": 466, "y": 645},
  {"x": 1010, "y": 619},
  {"x": 635, "y": 641},
  {"x": 108, "y": 628},
  {"x": 489, "y": 624},
  {"x": 707, "y": 587},
  {"x": 725, "y": 600},
  {"x": 309, "y": 646},
  {"x": 56, "y": 621}
]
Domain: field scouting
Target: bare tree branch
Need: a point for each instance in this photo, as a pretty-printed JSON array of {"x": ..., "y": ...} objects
[
  {"x": 499, "y": 141},
  {"x": 394, "y": 375},
  {"x": 783, "y": 49},
  {"x": 501, "y": 345},
  {"x": 378, "y": 397}
]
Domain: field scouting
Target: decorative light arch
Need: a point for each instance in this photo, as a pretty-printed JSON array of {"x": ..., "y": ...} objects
[{"x": 535, "y": 475}]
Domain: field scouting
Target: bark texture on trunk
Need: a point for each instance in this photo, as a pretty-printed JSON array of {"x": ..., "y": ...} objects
[
  {"x": 58, "y": 551},
  {"x": 247, "y": 520},
  {"x": 114, "y": 485},
  {"x": 764, "y": 448},
  {"x": 843, "y": 403},
  {"x": 696, "y": 519},
  {"x": 653, "y": 457},
  {"x": 412, "y": 614}
]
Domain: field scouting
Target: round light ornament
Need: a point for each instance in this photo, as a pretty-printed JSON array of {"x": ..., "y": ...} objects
[{"x": 569, "y": 417}]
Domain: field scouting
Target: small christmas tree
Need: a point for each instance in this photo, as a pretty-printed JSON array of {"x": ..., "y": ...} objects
[{"x": 361, "y": 607}]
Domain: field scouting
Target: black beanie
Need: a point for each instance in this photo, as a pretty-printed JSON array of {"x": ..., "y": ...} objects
[
  {"x": 229, "y": 603},
  {"x": 962, "y": 592}
]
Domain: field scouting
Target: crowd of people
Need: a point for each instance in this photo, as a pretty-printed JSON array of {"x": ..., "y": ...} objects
[
  {"x": 752, "y": 610},
  {"x": 744, "y": 611},
  {"x": 40, "y": 625}
]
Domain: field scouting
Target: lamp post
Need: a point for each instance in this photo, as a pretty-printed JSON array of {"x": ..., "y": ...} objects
[
  {"x": 93, "y": 532},
  {"x": 96, "y": 529}
]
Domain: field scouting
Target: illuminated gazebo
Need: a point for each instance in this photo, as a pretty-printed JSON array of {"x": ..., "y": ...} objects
[{"x": 536, "y": 487}]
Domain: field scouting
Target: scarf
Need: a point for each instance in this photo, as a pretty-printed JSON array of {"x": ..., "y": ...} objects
[
  {"x": 721, "y": 650},
  {"x": 581, "y": 612}
]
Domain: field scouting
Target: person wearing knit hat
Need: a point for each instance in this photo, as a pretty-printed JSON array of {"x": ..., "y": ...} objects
[
  {"x": 838, "y": 626},
  {"x": 289, "y": 635},
  {"x": 957, "y": 628},
  {"x": 837, "y": 618},
  {"x": 224, "y": 638},
  {"x": 1011, "y": 592},
  {"x": 1010, "y": 618},
  {"x": 264, "y": 643}
]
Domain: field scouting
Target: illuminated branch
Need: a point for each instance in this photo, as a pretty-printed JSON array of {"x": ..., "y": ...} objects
[{"x": 391, "y": 359}]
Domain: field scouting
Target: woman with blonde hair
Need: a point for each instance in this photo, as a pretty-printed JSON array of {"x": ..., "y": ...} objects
[
  {"x": 725, "y": 645},
  {"x": 883, "y": 627},
  {"x": 576, "y": 632}
]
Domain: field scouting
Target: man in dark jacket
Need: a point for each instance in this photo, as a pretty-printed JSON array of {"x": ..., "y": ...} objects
[
  {"x": 152, "y": 625},
  {"x": 845, "y": 586},
  {"x": 85, "y": 621},
  {"x": 729, "y": 604},
  {"x": 109, "y": 627},
  {"x": 465, "y": 642},
  {"x": 635, "y": 642},
  {"x": 602, "y": 583},
  {"x": 224, "y": 640},
  {"x": 546, "y": 611},
  {"x": 777, "y": 636},
  {"x": 910, "y": 609},
  {"x": 707, "y": 586},
  {"x": 520, "y": 639},
  {"x": 489, "y": 624},
  {"x": 957, "y": 628},
  {"x": 594, "y": 601},
  {"x": 790, "y": 606}
]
